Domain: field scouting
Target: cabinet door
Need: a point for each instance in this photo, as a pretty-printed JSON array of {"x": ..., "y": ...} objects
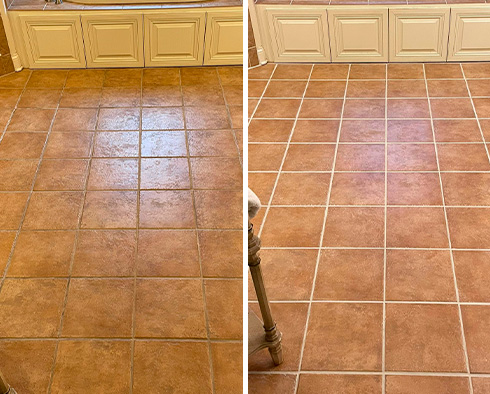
[
  {"x": 469, "y": 37},
  {"x": 174, "y": 38},
  {"x": 53, "y": 40},
  {"x": 295, "y": 33},
  {"x": 113, "y": 40},
  {"x": 419, "y": 34},
  {"x": 358, "y": 34},
  {"x": 224, "y": 37}
]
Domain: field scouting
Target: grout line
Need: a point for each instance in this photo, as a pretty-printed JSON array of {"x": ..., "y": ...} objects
[
  {"x": 448, "y": 234},
  {"x": 383, "y": 344},
  {"x": 373, "y": 373},
  {"x": 263, "y": 92}
]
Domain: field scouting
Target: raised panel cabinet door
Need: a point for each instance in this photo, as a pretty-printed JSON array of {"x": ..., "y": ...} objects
[
  {"x": 419, "y": 34},
  {"x": 296, "y": 33},
  {"x": 174, "y": 38},
  {"x": 359, "y": 34},
  {"x": 113, "y": 39},
  {"x": 224, "y": 37},
  {"x": 53, "y": 40},
  {"x": 469, "y": 36}
]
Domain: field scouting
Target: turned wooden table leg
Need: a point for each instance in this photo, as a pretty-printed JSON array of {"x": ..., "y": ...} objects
[
  {"x": 272, "y": 334},
  {"x": 4, "y": 387}
]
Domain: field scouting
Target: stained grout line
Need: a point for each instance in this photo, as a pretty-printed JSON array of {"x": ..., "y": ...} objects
[{"x": 448, "y": 234}]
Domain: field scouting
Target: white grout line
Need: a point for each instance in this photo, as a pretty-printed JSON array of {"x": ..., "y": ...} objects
[
  {"x": 371, "y": 373},
  {"x": 263, "y": 92},
  {"x": 383, "y": 344},
  {"x": 463, "y": 339}
]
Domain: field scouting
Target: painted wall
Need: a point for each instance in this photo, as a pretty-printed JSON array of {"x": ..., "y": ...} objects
[
  {"x": 253, "y": 60},
  {"x": 6, "y": 65}
]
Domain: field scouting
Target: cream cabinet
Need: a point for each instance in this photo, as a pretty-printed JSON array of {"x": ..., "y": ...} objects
[
  {"x": 54, "y": 42},
  {"x": 469, "y": 38},
  {"x": 174, "y": 38},
  {"x": 113, "y": 39},
  {"x": 419, "y": 34},
  {"x": 358, "y": 34},
  {"x": 224, "y": 37},
  {"x": 296, "y": 33}
]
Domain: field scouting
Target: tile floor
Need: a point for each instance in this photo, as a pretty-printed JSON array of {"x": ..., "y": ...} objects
[
  {"x": 120, "y": 240},
  {"x": 376, "y": 226}
]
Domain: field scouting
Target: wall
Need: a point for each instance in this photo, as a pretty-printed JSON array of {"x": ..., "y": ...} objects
[
  {"x": 6, "y": 65},
  {"x": 253, "y": 60}
]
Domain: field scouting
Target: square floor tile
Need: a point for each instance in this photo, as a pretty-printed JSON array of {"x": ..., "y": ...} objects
[
  {"x": 443, "y": 70},
  {"x": 360, "y": 158},
  {"x": 208, "y": 117},
  {"x": 17, "y": 174},
  {"x": 344, "y": 337},
  {"x": 287, "y": 89},
  {"x": 12, "y": 207},
  {"x": 320, "y": 130},
  {"x": 119, "y": 119},
  {"x": 366, "y": 89},
  {"x": 299, "y": 189},
  {"x": 411, "y": 157},
  {"x": 330, "y": 71},
  {"x": 32, "y": 307},
  {"x": 167, "y": 253},
  {"x": 22, "y": 145},
  {"x": 85, "y": 79},
  {"x": 466, "y": 188},
  {"x": 460, "y": 157},
  {"x": 221, "y": 252},
  {"x": 479, "y": 87},
  {"x": 199, "y": 76},
  {"x": 65, "y": 174},
  {"x": 447, "y": 88},
  {"x": 365, "y": 108},
  {"x": 99, "y": 308},
  {"x": 270, "y": 130},
  {"x": 476, "y": 319},
  {"x": 350, "y": 275},
  {"x": 480, "y": 385},
  {"x": 405, "y": 71},
  {"x": 169, "y": 173},
  {"x": 165, "y": 118},
  {"x": 367, "y": 71},
  {"x": 320, "y": 89},
  {"x": 177, "y": 366},
  {"x": 408, "y": 108},
  {"x": 354, "y": 227},
  {"x": 161, "y": 76},
  {"x": 270, "y": 383},
  {"x": 81, "y": 98},
  {"x": 123, "y": 78},
  {"x": 120, "y": 97},
  {"x": 116, "y": 144},
  {"x": 452, "y": 108},
  {"x": 473, "y": 275},
  {"x": 109, "y": 209},
  {"x": 406, "y": 88},
  {"x": 163, "y": 143},
  {"x": 292, "y": 71},
  {"x": 210, "y": 212},
  {"x": 169, "y": 308},
  {"x": 105, "y": 253},
  {"x": 409, "y": 130},
  {"x": 69, "y": 145},
  {"x": 362, "y": 131},
  {"x": 358, "y": 189},
  {"x": 227, "y": 368},
  {"x": 423, "y": 338},
  {"x": 426, "y": 385},
  {"x": 166, "y": 209},
  {"x": 482, "y": 107},
  {"x": 111, "y": 174},
  {"x": 415, "y": 227},
  {"x": 53, "y": 79},
  {"x": 320, "y": 108},
  {"x": 469, "y": 227},
  {"x": 79, "y": 119},
  {"x": 30, "y": 119},
  {"x": 414, "y": 189},
  {"x": 6, "y": 241},
  {"x": 322, "y": 383},
  {"x": 198, "y": 94},
  {"x": 216, "y": 173},
  {"x": 309, "y": 157},
  {"x": 277, "y": 108},
  {"x": 457, "y": 130},
  {"x": 162, "y": 96}
]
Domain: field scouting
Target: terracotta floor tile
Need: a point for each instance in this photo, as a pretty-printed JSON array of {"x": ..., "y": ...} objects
[
  {"x": 293, "y": 227},
  {"x": 309, "y": 157},
  {"x": 224, "y": 312},
  {"x": 321, "y": 108},
  {"x": 119, "y": 119},
  {"x": 411, "y": 157},
  {"x": 414, "y": 189},
  {"x": 209, "y": 117},
  {"x": 161, "y": 76},
  {"x": 362, "y": 131},
  {"x": 17, "y": 174},
  {"x": 475, "y": 320},
  {"x": 408, "y": 108},
  {"x": 9, "y": 97},
  {"x": 301, "y": 189},
  {"x": 452, "y": 108},
  {"x": 324, "y": 130},
  {"x": 406, "y": 88},
  {"x": 227, "y": 367},
  {"x": 472, "y": 274},
  {"x": 109, "y": 209},
  {"x": 405, "y": 71},
  {"x": 208, "y": 143},
  {"x": 42, "y": 254},
  {"x": 409, "y": 131},
  {"x": 365, "y": 108},
  {"x": 161, "y": 96},
  {"x": 268, "y": 130},
  {"x": 419, "y": 275},
  {"x": 262, "y": 185},
  {"x": 416, "y": 228},
  {"x": 168, "y": 173},
  {"x": 216, "y": 173},
  {"x": 105, "y": 253},
  {"x": 344, "y": 337},
  {"x": 52, "y": 79},
  {"x": 121, "y": 97},
  {"x": 443, "y": 70},
  {"x": 324, "y": 89},
  {"x": 358, "y": 189},
  {"x": 461, "y": 130},
  {"x": 15, "y": 80},
  {"x": 354, "y": 227},
  {"x": 481, "y": 385},
  {"x": 256, "y": 88},
  {"x": 197, "y": 94},
  {"x": 169, "y": 308},
  {"x": 116, "y": 144},
  {"x": 288, "y": 273},
  {"x": 177, "y": 366},
  {"x": 40, "y": 98},
  {"x": 199, "y": 76},
  {"x": 236, "y": 116},
  {"x": 233, "y": 94},
  {"x": 69, "y": 145},
  {"x": 221, "y": 253},
  {"x": 12, "y": 207},
  {"x": 466, "y": 188},
  {"x": 330, "y": 384},
  {"x": 99, "y": 308},
  {"x": 469, "y": 227},
  {"x": 30, "y": 119},
  {"x": 476, "y": 70},
  {"x": 479, "y": 87},
  {"x": 458, "y": 157},
  {"x": 367, "y": 71},
  {"x": 35, "y": 356},
  {"x": 53, "y": 210},
  {"x": 85, "y": 79},
  {"x": 270, "y": 384},
  {"x": 166, "y": 209},
  {"x": 65, "y": 174},
  {"x": 80, "y": 98},
  {"x": 367, "y": 89},
  {"x": 163, "y": 143},
  {"x": 97, "y": 366},
  {"x": 5, "y": 114},
  {"x": 277, "y": 108},
  {"x": 6, "y": 241},
  {"x": 360, "y": 158},
  {"x": 447, "y": 88},
  {"x": 231, "y": 75},
  {"x": 426, "y": 385},
  {"x": 350, "y": 275},
  {"x": 78, "y": 119},
  {"x": 32, "y": 307},
  {"x": 292, "y": 71},
  {"x": 22, "y": 145},
  {"x": 286, "y": 89},
  {"x": 210, "y": 212},
  {"x": 330, "y": 71},
  {"x": 423, "y": 338},
  {"x": 485, "y": 128},
  {"x": 293, "y": 316},
  {"x": 263, "y": 72},
  {"x": 123, "y": 78},
  {"x": 482, "y": 107},
  {"x": 167, "y": 253}
]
